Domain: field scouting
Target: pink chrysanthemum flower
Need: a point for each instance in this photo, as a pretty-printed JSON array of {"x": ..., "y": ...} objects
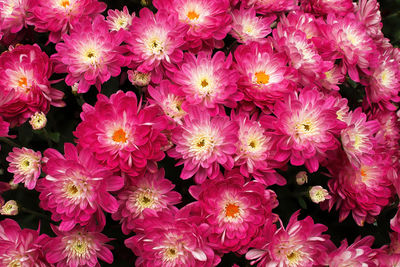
[
  {"x": 264, "y": 75},
  {"x": 13, "y": 14},
  {"x": 21, "y": 247},
  {"x": 352, "y": 43},
  {"x": 384, "y": 82},
  {"x": 149, "y": 191},
  {"x": 57, "y": 16},
  {"x": 358, "y": 139},
  {"x": 307, "y": 125},
  {"x": 169, "y": 98},
  {"x": 76, "y": 188},
  {"x": 359, "y": 253},
  {"x": 363, "y": 191},
  {"x": 203, "y": 143},
  {"x": 300, "y": 244},
  {"x": 388, "y": 135},
  {"x": 272, "y": 6},
  {"x": 207, "y": 22},
  {"x": 155, "y": 43},
  {"x": 25, "y": 164},
  {"x": 208, "y": 81},
  {"x": 236, "y": 211},
  {"x": 302, "y": 53},
  {"x": 367, "y": 11},
  {"x": 172, "y": 239},
  {"x": 122, "y": 135},
  {"x": 25, "y": 86},
  {"x": 256, "y": 149},
  {"x": 119, "y": 20},
  {"x": 78, "y": 247},
  {"x": 89, "y": 54},
  {"x": 247, "y": 27},
  {"x": 324, "y": 7},
  {"x": 332, "y": 78}
]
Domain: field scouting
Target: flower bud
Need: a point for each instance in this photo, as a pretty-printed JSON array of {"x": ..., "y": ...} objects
[
  {"x": 318, "y": 194},
  {"x": 139, "y": 78},
  {"x": 9, "y": 208},
  {"x": 38, "y": 121},
  {"x": 301, "y": 178}
]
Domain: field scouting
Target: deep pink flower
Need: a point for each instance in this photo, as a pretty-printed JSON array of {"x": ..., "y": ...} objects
[
  {"x": 364, "y": 191},
  {"x": 122, "y": 135},
  {"x": 359, "y": 253},
  {"x": 25, "y": 87},
  {"x": 172, "y": 239},
  {"x": 307, "y": 124},
  {"x": 203, "y": 142},
  {"x": 13, "y": 15},
  {"x": 367, "y": 11},
  {"x": 358, "y": 139},
  {"x": 58, "y": 16},
  {"x": 78, "y": 247},
  {"x": 236, "y": 211},
  {"x": 169, "y": 98},
  {"x": 25, "y": 164},
  {"x": 155, "y": 43},
  {"x": 324, "y": 7},
  {"x": 4, "y": 128},
  {"x": 247, "y": 27},
  {"x": 264, "y": 75},
  {"x": 150, "y": 191},
  {"x": 21, "y": 247},
  {"x": 90, "y": 54},
  {"x": 208, "y": 81},
  {"x": 256, "y": 152},
  {"x": 119, "y": 20},
  {"x": 266, "y": 7},
  {"x": 388, "y": 135},
  {"x": 352, "y": 43},
  {"x": 300, "y": 244},
  {"x": 206, "y": 22},
  {"x": 77, "y": 188}
]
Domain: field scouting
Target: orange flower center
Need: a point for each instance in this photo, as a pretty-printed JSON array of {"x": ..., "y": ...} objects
[
  {"x": 65, "y": 3},
  {"x": 262, "y": 78},
  {"x": 192, "y": 15},
  {"x": 119, "y": 136},
  {"x": 22, "y": 82},
  {"x": 231, "y": 210}
]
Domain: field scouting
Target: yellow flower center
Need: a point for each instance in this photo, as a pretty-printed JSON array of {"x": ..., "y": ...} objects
[
  {"x": 231, "y": 210},
  {"x": 204, "y": 83},
  {"x": 261, "y": 77},
  {"x": 192, "y": 15},
  {"x": 72, "y": 190},
  {"x": 15, "y": 263},
  {"x": 294, "y": 257},
  {"x": 119, "y": 136}
]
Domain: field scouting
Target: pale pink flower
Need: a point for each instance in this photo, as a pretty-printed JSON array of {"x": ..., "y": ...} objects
[
  {"x": 208, "y": 81},
  {"x": 25, "y": 164},
  {"x": 247, "y": 27},
  {"x": 203, "y": 143},
  {"x": 119, "y": 20},
  {"x": 318, "y": 194},
  {"x": 90, "y": 54},
  {"x": 150, "y": 191}
]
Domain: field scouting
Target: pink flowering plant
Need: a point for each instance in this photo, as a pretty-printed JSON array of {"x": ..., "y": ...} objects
[{"x": 199, "y": 133}]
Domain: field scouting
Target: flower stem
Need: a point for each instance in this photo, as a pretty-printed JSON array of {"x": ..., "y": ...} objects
[{"x": 9, "y": 142}]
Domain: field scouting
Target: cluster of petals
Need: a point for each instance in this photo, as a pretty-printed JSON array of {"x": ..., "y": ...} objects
[
  {"x": 77, "y": 188},
  {"x": 203, "y": 143},
  {"x": 204, "y": 23},
  {"x": 235, "y": 209},
  {"x": 13, "y": 17},
  {"x": 121, "y": 134},
  {"x": 21, "y": 247},
  {"x": 267, "y": 7},
  {"x": 150, "y": 191},
  {"x": 308, "y": 127},
  {"x": 325, "y": 7},
  {"x": 208, "y": 81},
  {"x": 90, "y": 54},
  {"x": 301, "y": 243},
  {"x": 173, "y": 239},
  {"x": 25, "y": 87},
  {"x": 78, "y": 247},
  {"x": 58, "y": 16},
  {"x": 25, "y": 164}
]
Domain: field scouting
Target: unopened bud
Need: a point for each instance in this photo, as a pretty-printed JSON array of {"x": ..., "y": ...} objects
[
  {"x": 9, "y": 208},
  {"x": 139, "y": 78},
  {"x": 13, "y": 185},
  {"x": 301, "y": 178},
  {"x": 38, "y": 121}
]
